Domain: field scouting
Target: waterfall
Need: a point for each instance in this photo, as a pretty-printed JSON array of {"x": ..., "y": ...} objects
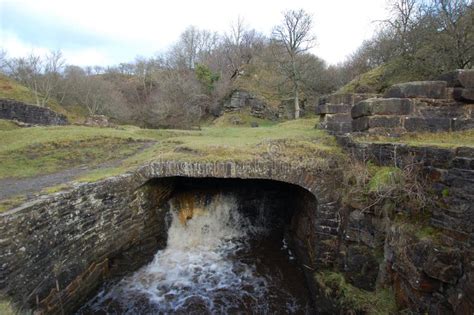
[{"x": 206, "y": 267}]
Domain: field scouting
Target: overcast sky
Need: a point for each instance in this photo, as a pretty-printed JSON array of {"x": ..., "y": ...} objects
[{"x": 103, "y": 32}]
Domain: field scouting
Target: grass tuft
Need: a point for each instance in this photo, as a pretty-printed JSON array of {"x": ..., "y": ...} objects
[{"x": 350, "y": 298}]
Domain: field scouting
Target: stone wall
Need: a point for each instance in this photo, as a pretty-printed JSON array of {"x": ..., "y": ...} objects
[
  {"x": 58, "y": 249},
  {"x": 429, "y": 266},
  {"x": 444, "y": 105},
  {"x": 30, "y": 114},
  {"x": 335, "y": 111}
]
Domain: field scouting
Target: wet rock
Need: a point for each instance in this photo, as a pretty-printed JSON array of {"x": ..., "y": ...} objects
[{"x": 418, "y": 89}]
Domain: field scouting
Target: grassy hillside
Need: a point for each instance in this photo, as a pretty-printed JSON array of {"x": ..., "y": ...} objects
[
  {"x": 379, "y": 79},
  {"x": 14, "y": 90}
]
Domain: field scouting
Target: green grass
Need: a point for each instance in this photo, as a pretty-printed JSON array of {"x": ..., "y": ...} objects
[
  {"x": 439, "y": 139},
  {"x": 380, "y": 78},
  {"x": 27, "y": 152},
  {"x": 240, "y": 119},
  {"x": 350, "y": 298},
  {"x": 11, "y": 202},
  {"x": 6, "y": 125}
]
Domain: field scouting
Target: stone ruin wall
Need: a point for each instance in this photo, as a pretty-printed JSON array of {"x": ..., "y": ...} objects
[
  {"x": 423, "y": 106},
  {"x": 30, "y": 114}
]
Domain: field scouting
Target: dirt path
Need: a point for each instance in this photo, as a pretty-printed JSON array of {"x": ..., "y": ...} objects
[{"x": 10, "y": 187}]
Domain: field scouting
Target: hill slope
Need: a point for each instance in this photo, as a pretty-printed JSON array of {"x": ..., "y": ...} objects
[{"x": 11, "y": 89}]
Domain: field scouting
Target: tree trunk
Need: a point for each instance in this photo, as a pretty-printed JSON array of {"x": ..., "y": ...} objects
[{"x": 297, "y": 104}]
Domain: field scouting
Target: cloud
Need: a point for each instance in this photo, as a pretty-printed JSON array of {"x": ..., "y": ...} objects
[{"x": 119, "y": 30}]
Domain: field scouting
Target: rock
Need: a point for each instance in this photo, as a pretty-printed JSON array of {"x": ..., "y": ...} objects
[
  {"x": 443, "y": 264},
  {"x": 97, "y": 121},
  {"x": 418, "y": 89},
  {"x": 333, "y": 109},
  {"x": 382, "y": 106},
  {"x": 462, "y": 124},
  {"x": 369, "y": 122},
  {"x": 361, "y": 267},
  {"x": 30, "y": 114},
  {"x": 459, "y": 78},
  {"x": 463, "y": 94},
  {"x": 427, "y": 124},
  {"x": 254, "y": 124},
  {"x": 344, "y": 117}
]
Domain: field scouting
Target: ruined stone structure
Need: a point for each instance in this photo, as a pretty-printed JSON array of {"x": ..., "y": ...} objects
[
  {"x": 335, "y": 111},
  {"x": 444, "y": 105},
  {"x": 30, "y": 114}
]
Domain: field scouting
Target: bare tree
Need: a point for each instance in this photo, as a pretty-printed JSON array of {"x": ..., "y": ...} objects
[
  {"x": 40, "y": 75},
  {"x": 294, "y": 34},
  {"x": 456, "y": 26},
  {"x": 240, "y": 45}
]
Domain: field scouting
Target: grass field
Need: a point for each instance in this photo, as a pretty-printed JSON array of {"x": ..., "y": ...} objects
[{"x": 27, "y": 152}]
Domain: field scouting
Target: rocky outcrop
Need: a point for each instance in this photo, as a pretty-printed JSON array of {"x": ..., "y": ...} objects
[
  {"x": 30, "y": 114},
  {"x": 97, "y": 121},
  {"x": 240, "y": 100}
]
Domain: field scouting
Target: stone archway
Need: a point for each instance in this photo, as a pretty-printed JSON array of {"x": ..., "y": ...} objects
[{"x": 59, "y": 248}]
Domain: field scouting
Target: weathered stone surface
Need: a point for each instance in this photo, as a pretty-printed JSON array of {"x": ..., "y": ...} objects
[
  {"x": 459, "y": 78},
  {"x": 338, "y": 127},
  {"x": 333, "y": 109},
  {"x": 443, "y": 264},
  {"x": 97, "y": 121},
  {"x": 463, "y": 94},
  {"x": 243, "y": 99},
  {"x": 360, "y": 124},
  {"x": 369, "y": 122},
  {"x": 31, "y": 114},
  {"x": 418, "y": 89},
  {"x": 427, "y": 124},
  {"x": 382, "y": 106},
  {"x": 339, "y": 118}
]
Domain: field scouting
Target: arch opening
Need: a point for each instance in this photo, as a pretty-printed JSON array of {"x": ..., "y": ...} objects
[{"x": 228, "y": 245}]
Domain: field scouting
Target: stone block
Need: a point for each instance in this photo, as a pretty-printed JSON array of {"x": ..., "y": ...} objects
[
  {"x": 463, "y": 94},
  {"x": 333, "y": 109},
  {"x": 339, "y": 118},
  {"x": 418, "y": 89},
  {"x": 382, "y": 106},
  {"x": 360, "y": 124},
  {"x": 336, "y": 99},
  {"x": 459, "y": 78},
  {"x": 427, "y": 124},
  {"x": 462, "y": 124},
  {"x": 339, "y": 127}
]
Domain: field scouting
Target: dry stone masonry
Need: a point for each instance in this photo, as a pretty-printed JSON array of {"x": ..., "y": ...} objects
[
  {"x": 30, "y": 114},
  {"x": 431, "y": 106}
]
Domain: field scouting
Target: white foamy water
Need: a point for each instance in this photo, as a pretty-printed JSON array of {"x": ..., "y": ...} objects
[{"x": 198, "y": 272}]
